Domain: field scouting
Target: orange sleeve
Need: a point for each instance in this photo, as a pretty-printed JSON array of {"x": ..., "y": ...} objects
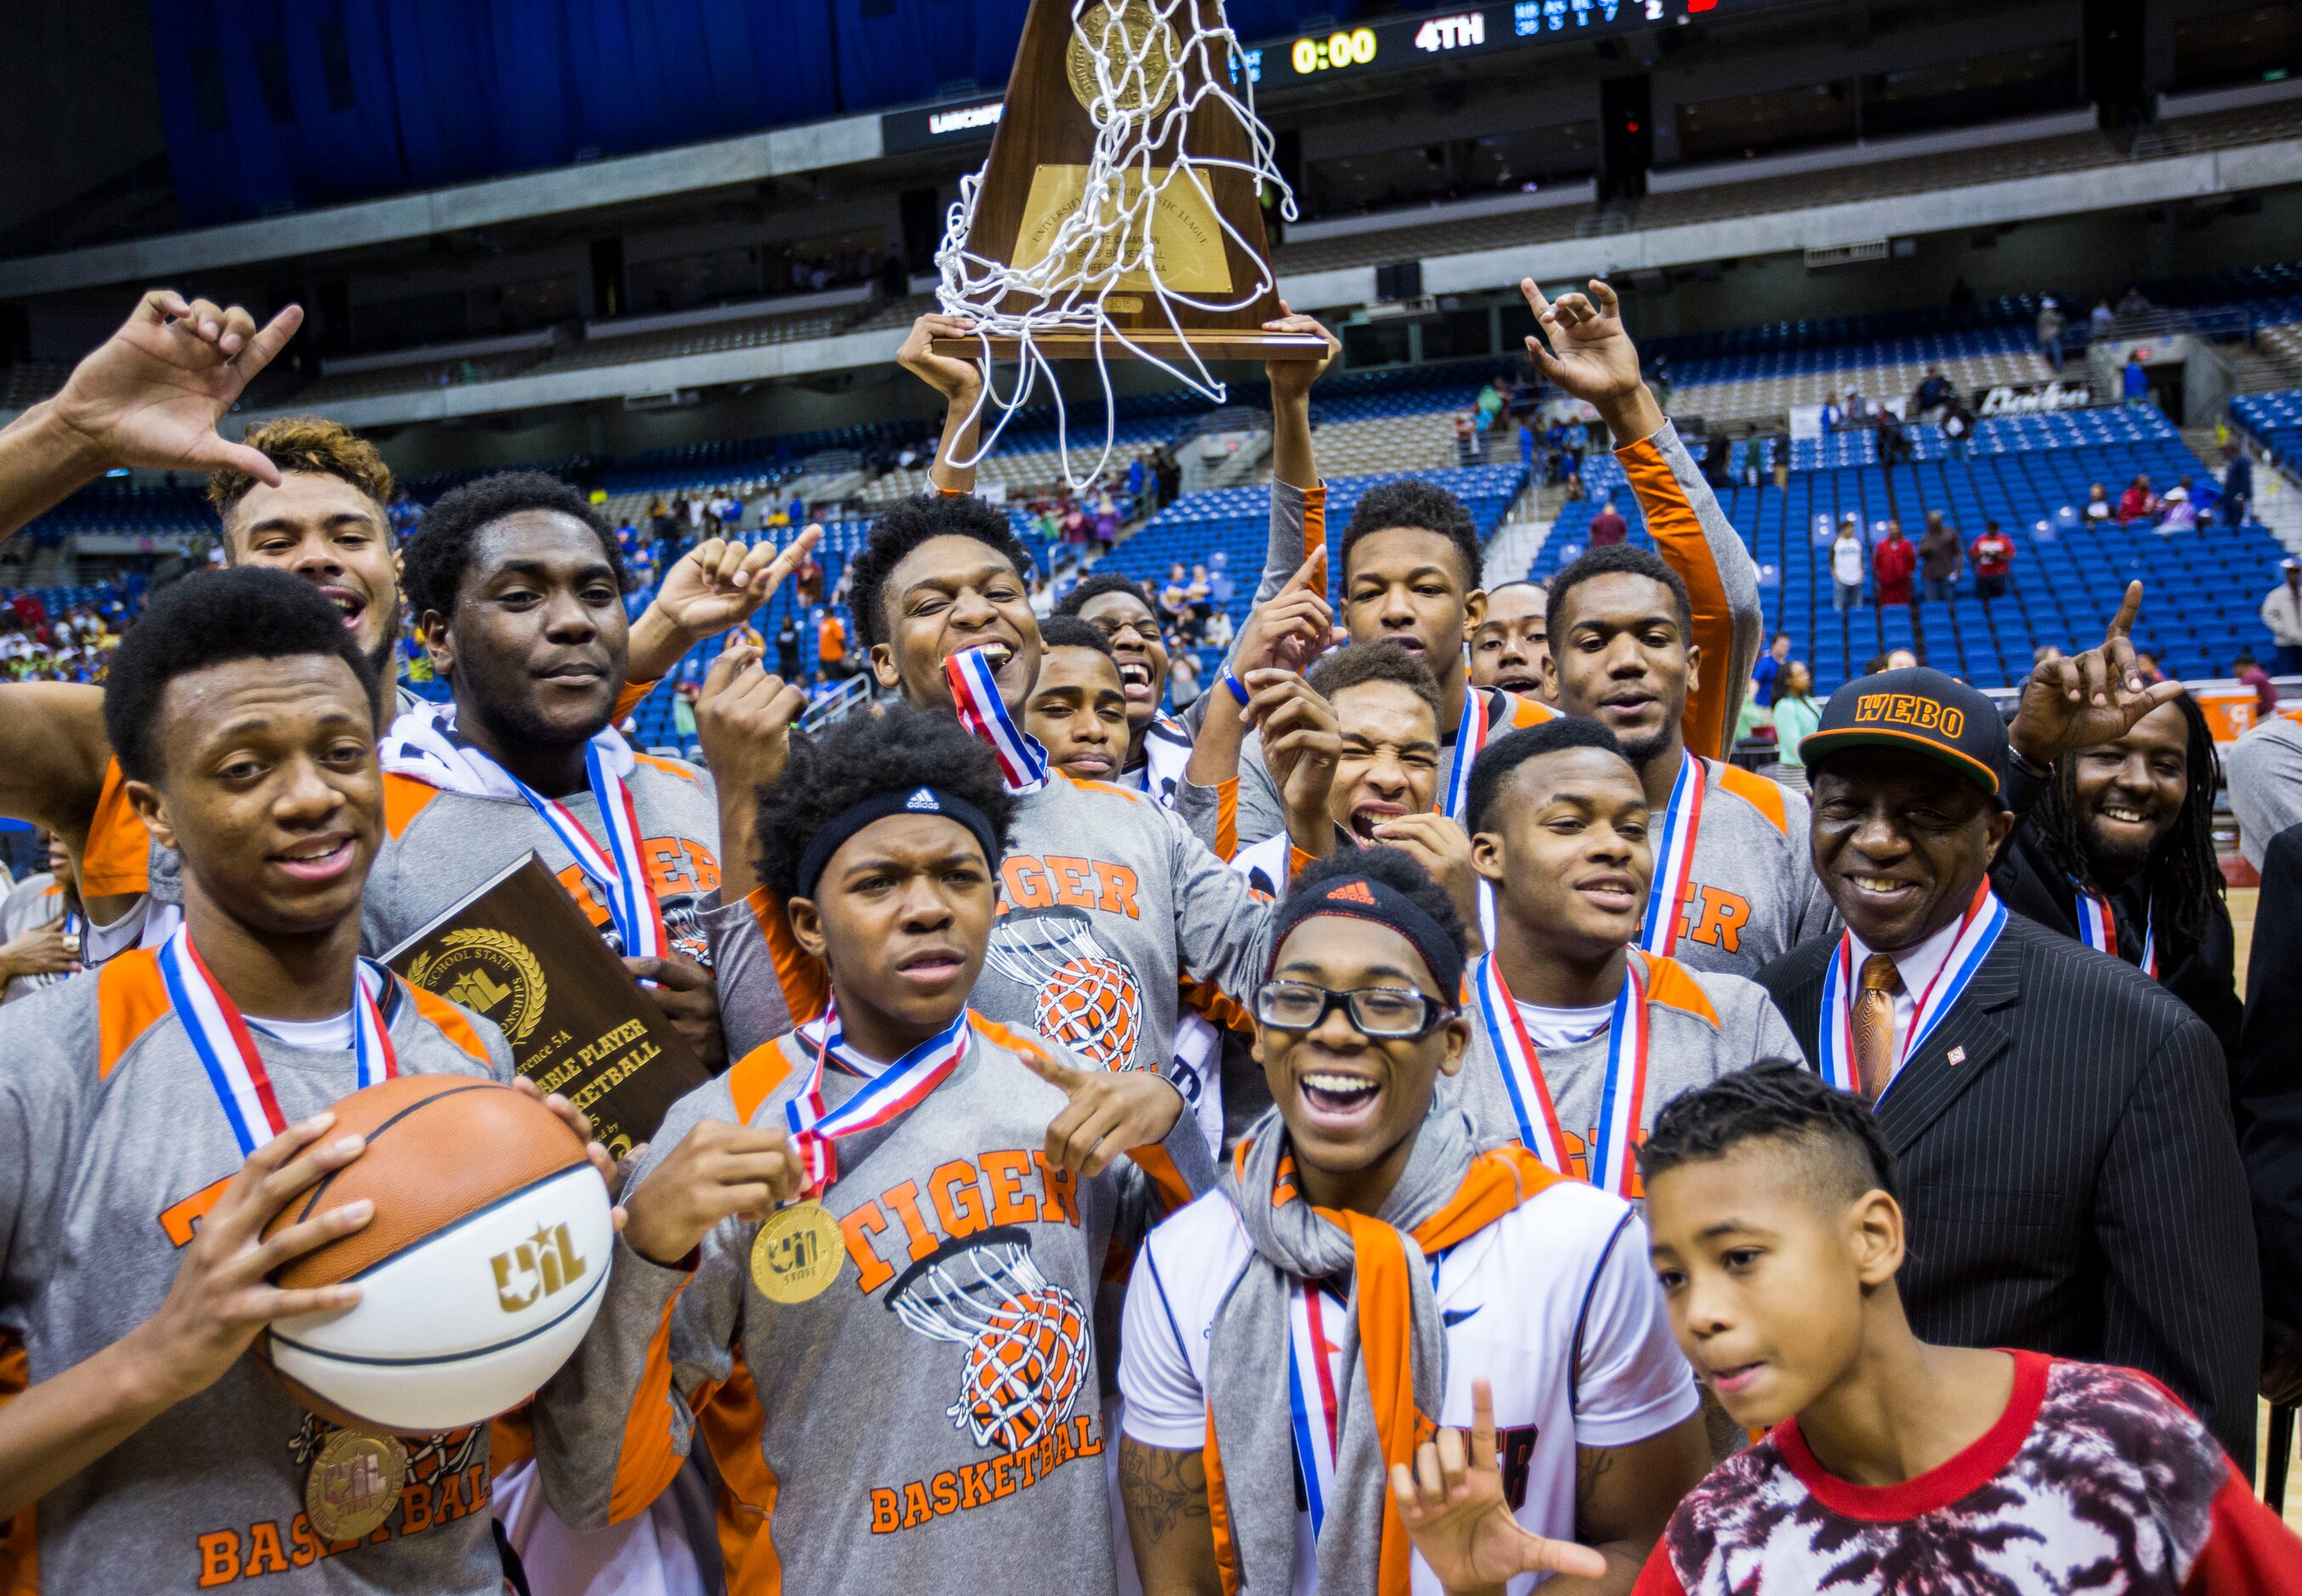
[
  {"x": 1315, "y": 523},
  {"x": 1227, "y": 817},
  {"x": 633, "y": 696},
  {"x": 807, "y": 989},
  {"x": 647, "y": 1460},
  {"x": 20, "y": 1546},
  {"x": 115, "y": 861},
  {"x": 1677, "y": 533}
]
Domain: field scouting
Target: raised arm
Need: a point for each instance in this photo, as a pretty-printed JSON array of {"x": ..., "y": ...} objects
[
  {"x": 961, "y": 383},
  {"x": 150, "y": 395},
  {"x": 1592, "y": 358},
  {"x": 1298, "y": 499}
]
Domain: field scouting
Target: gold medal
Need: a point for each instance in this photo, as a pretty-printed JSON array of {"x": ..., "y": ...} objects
[
  {"x": 798, "y": 1254},
  {"x": 354, "y": 1484}
]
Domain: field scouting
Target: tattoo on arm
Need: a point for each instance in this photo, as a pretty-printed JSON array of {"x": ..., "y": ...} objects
[
  {"x": 1591, "y": 1466},
  {"x": 1161, "y": 1488}
]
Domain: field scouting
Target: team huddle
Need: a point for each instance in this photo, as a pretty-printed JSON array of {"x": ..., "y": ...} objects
[{"x": 1423, "y": 1120}]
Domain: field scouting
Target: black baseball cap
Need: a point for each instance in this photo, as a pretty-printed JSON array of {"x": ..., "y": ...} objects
[{"x": 1918, "y": 711}]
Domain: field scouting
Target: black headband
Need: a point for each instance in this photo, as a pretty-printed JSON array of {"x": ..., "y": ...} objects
[
  {"x": 917, "y": 801},
  {"x": 1363, "y": 897}
]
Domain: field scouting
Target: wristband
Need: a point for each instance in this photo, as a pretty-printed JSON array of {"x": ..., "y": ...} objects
[{"x": 1238, "y": 688}]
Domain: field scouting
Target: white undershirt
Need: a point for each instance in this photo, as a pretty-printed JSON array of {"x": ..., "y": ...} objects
[
  {"x": 331, "y": 1035},
  {"x": 1563, "y": 1027}
]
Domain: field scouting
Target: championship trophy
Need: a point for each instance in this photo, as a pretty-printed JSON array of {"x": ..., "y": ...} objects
[{"x": 1119, "y": 214}]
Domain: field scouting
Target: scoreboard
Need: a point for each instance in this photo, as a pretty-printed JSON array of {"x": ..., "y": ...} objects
[{"x": 1393, "y": 43}]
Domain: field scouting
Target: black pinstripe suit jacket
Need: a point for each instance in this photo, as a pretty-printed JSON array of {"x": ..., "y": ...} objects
[{"x": 2073, "y": 1183}]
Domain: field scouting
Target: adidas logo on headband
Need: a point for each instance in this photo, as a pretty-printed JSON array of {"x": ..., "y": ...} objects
[
  {"x": 1351, "y": 891},
  {"x": 924, "y": 801}
]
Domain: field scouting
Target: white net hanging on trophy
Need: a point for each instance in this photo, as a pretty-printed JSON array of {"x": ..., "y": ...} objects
[{"x": 1154, "y": 66}]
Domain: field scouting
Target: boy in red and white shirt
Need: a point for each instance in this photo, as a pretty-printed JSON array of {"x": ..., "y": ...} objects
[{"x": 1888, "y": 1464}]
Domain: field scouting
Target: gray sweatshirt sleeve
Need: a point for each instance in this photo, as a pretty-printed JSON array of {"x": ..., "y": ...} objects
[
  {"x": 752, "y": 1007},
  {"x": 1222, "y": 927},
  {"x": 613, "y": 1426},
  {"x": 1291, "y": 510},
  {"x": 1692, "y": 533},
  {"x": 2265, "y": 784}
]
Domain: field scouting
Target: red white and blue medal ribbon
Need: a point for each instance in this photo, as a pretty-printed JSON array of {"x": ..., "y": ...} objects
[
  {"x": 1611, "y": 1161},
  {"x": 889, "y": 1091},
  {"x": 1674, "y": 858},
  {"x": 1470, "y": 737},
  {"x": 219, "y": 1036},
  {"x": 2098, "y": 929},
  {"x": 1310, "y": 1398},
  {"x": 975, "y": 694},
  {"x": 619, "y": 873},
  {"x": 1986, "y": 918}
]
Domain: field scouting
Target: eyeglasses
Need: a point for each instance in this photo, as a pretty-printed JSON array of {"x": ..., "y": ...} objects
[{"x": 1387, "y": 1012}]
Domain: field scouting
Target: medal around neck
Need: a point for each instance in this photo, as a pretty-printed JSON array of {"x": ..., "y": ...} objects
[
  {"x": 354, "y": 1484},
  {"x": 797, "y": 1254}
]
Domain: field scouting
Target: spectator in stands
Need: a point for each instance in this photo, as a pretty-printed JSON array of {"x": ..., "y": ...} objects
[
  {"x": 1607, "y": 525},
  {"x": 2237, "y": 486},
  {"x": 1892, "y": 563},
  {"x": 2050, "y": 331},
  {"x": 1219, "y": 585},
  {"x": 2044, "y": 652},
  {"x": 1796, "y": 713},
  {"x": 1750, "y": 454},
  {"x": 2248, "y": 672},
  {"x": 1489, "y": 404},
  {"x": 1938, "y": 560},
  {"x": 831, "y": 644},
  {"x": 1781, "y": 437},
  {"x": 1994, "y": 558},
  {"x": 1106, "y": 520},
  {"x": 2098, "y": 507},
  {"x": 1768, "y": 671},
  {"x": 1901, "y": 659},
  {"x": 2138, "y": 503},
  {"x": 2101, "y": 320},
  {"x": 1957, "y": 428},
  {"x": 1846, "y": 559},
  {"x": 683, "y": 711},
  {"x": 2180, "y": 510},
  {"x": 788, "y": 647},
  {"x": 1828, "y": 417},
  {"x": 2146, "y": 666},
  {"x": 1854, "y": 410},
  {"x": 1182, "y": 680},
  {"x": 1934, "y": 392},
  {"x": 2134, "y": 380},
  {"x": 1134, "y": 478},
  {"x": 2133, "y": 303},
  {"x": 1717, "y": 467},
  {"x": 1175, "y": 599},
  {"x": 1893, "y": 442},
  {"x": 1200, "y": 596},
  {"x": 2281, "y": 612},
  {"x": 1467, "y": 439}
]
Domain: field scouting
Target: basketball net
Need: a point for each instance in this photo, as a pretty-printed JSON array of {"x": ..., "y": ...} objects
[{"x": 1144, "y": 99}]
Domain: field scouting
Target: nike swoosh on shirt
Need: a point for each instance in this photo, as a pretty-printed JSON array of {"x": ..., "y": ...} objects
[{"x": 1452, "y": 1317}]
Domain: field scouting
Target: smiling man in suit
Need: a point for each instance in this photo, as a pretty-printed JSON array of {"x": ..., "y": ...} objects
[{"x": 2062, "y": 1122}]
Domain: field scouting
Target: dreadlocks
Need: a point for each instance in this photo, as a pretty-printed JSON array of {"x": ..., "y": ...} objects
[{"x": 2183, "y": 875}]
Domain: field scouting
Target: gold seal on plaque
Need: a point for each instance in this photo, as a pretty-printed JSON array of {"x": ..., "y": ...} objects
[
  {"x": 798, "y": 1254},
  {"x": 486, "y": 972},
  {"x": 1141, "y": 67},
  {"x": 354, "y": 1484}
]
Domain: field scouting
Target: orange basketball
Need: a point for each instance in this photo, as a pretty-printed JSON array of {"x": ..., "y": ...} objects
[{"x": 478, "y": 1273}]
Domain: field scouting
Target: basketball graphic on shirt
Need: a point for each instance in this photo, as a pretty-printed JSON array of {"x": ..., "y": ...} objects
[
  {"x": 1082, "y": 998},
  {"x": 1026, "y": 1340}
]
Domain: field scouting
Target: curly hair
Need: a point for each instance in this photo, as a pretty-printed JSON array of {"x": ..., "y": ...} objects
[
  {"x": 1070, "y": 632},
  {"x": 911, "y": 522},
  {"x": 2184, "y": 879},
  {"x": 214, "y": 617},
  {"x": 439, "y": 551},
  {"x": 309, "y": 443},
  {"x": 862, "y": 757},
  {"x": 1781, "y": 1101},
  {"x": 1608, "y": 561},
  {"x": 1422, "y": 504},
  {"x": 1106, "y": 582},
  {"x": 1507, "y": 752},
  {"x": 1356, "y": 664}
]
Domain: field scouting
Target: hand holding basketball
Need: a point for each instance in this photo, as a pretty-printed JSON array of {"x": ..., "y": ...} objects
[
  {"x": 718, "y": 1171},
  {"x": 1451, "y": 1502},
  {"x": 222, "y": 1298},
  {"x": 595, "y": 1149},
  {"x": 1110, "y": 1111}
]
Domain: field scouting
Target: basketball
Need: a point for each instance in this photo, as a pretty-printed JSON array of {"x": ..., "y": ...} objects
[
  {"x": 480, "y": 1272},
  {"x": 1023, "y": 1370}
]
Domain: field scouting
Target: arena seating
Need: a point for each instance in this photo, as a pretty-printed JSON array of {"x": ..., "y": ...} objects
[
  {"x": 2201, "y": 588},
  {"x": 2274, "y": 419}
]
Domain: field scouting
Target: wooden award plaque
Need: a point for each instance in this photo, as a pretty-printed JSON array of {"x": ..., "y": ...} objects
[{"x": 1036, "y": 174}]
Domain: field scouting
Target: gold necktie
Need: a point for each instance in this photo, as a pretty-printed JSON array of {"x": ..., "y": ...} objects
[{"x": 1874, "y": 1024}]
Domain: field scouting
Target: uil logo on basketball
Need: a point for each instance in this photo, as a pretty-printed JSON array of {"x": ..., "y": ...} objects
[
  {"x": 1083, "y": 999},
  {"x": 1026, "y": 1340},
  {"x": 541, "y": 1266}
]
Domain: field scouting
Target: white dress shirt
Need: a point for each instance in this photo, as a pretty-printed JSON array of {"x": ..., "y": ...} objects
[{"x": 1917, "y": 966}]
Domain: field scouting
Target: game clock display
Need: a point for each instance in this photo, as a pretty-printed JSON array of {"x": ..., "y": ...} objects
[{"x": 1399, "y": 42}]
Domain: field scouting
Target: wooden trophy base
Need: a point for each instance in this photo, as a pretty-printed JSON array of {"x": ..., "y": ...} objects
[{"x": 1209, "y": 344}]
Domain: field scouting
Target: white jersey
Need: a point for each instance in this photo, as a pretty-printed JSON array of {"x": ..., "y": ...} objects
[{"x": 1554, "y": 1304}]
